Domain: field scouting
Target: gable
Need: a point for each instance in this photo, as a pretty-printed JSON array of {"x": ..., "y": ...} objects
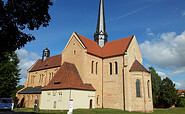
[
  {"x": 73, "y": 37},
  {"x": 137, "y": 66}
]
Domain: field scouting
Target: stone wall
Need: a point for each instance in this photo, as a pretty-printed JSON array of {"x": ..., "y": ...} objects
[
  {"x": 113, "y": 83},
  {"x": 76, "y": 54},
  {"x": 41, "y": 77},
  {"x": 28, "y": 100}
]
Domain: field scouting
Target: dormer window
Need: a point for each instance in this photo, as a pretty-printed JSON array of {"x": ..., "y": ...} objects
[{"x": 57, "y": 83}]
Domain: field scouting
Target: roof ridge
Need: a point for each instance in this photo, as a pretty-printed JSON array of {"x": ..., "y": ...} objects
[
  {"x": 121, "y": 39},
  {"x": 54, "y": 55},
  {"x": 87, "y": 38}
]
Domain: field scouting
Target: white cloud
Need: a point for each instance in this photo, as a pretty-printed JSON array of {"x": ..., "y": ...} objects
[
  {"x": 162, "y": 74},
  {"x": 180, "y": 84},
  {"x": 129, "y": 13},
  {"x": 183, "y": 13},
  {"x": 149, "y": 32},
  {"x": 26, "y": 61},
  {"x": 167, "y": 52},
  {"x": 176, "y": 73},
  {"x": 34, "y": 56}
]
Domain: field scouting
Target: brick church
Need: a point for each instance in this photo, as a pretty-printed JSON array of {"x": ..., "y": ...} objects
[{"x": 95, "y": 74}]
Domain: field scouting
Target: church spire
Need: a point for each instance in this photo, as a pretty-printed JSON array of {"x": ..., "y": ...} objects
[{"x": 101, "y": 35}]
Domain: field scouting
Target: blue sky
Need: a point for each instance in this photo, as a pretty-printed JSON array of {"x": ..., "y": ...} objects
[{"x": 159, "y": 26}]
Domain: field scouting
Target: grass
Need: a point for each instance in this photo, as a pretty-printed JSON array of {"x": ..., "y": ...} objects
[{"x": 178, "y": 110}]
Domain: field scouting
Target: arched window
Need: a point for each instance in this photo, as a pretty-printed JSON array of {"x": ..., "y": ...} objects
[
  {"x": 31, "y": 98},
  {"x": 116, "y": 68},
  {"x": 92, "y": 67},
  {"x": 74, "y": 52},
  {"x": 49, "y": 77},
  {"x": 148, "y": 85},
  {"x": 98, "y": 100},
  {"x": 96, "y": 67},
  {"x": 138, "y": 93},
  {"x": 40, "y": 78},
  {"x": 110, "y": 68}
]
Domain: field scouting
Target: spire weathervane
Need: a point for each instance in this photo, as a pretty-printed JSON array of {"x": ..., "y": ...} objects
[{"x": 101, "y": 35}]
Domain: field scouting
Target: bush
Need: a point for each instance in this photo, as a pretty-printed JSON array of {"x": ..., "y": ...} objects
[{"x": 180, "y": 102}]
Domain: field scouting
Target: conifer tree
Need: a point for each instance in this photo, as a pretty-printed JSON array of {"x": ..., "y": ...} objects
[
  {"x": 168, "y": 93},
  {"x": 9, "y": 74},
  {"x": 156, "y": 82}
]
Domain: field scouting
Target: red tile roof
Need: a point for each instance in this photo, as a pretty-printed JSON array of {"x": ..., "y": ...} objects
[
  {"x": 137, "y": 66},
  {"x": 117, "y": 47},
  {"x": 50, "y": 62},
  {"x": 67, "y": 77},
  {"x": 92, "y": 46},
  {"x": 113, "y": 48},
  {"x": 180, "y": 91}
]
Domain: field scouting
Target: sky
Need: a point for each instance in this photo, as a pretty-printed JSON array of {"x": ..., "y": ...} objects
[{"x": 159, "y": 27}]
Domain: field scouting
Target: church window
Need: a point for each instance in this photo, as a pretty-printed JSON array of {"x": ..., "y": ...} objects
[
  {"x": 40, "y": 79},
  {"x": 116, "y": 68},
  {"x": 148, "y": 85},
  {"x": 32, "y": 79},
  {"x": 92, "y": 67},
  {"x": 31, "y": 98},
  {"x": 49, "y": 76},
  {"x": 60, "y": 95},
  {"x": 110, "y": 68},
  {"x": 138, "y": 93},
  {"x": 74, "y": 52},
  {"x": 96, "y": 67},
  {"x": 98, "y": 100},
  {"x": 54, "y": 93}
]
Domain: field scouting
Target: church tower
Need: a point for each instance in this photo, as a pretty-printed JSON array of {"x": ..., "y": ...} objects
[
  {"x": 101, "y": 35},
  {"x": 46, "y": 54}
]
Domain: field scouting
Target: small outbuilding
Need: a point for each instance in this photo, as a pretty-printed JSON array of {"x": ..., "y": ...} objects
[{"x": 66, "y": 85}]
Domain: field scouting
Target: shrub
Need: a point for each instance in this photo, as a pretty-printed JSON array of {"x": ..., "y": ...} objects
[{"x": 180, "y": 102}]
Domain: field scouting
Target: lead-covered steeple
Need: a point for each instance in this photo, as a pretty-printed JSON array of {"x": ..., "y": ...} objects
[{"x": 101, "y": 35}]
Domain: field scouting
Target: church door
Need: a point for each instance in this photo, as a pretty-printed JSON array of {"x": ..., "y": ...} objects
[{"x": 90, "y": 106}]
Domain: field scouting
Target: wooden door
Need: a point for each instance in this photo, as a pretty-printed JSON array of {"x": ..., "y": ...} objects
[{"x": 90, "y": 106}]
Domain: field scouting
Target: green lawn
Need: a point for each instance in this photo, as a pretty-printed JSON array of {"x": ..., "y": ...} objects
[{"x": 105, "y": 111}]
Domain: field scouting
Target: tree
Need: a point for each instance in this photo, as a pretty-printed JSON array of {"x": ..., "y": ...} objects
[
  {"x": 9, "y": 74},
  {"x": 17, "y": 15},
  {"x": 156, "y": 82},
  {"x": 168, "y": 93},
  {"x": 14, "y": 92}
]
